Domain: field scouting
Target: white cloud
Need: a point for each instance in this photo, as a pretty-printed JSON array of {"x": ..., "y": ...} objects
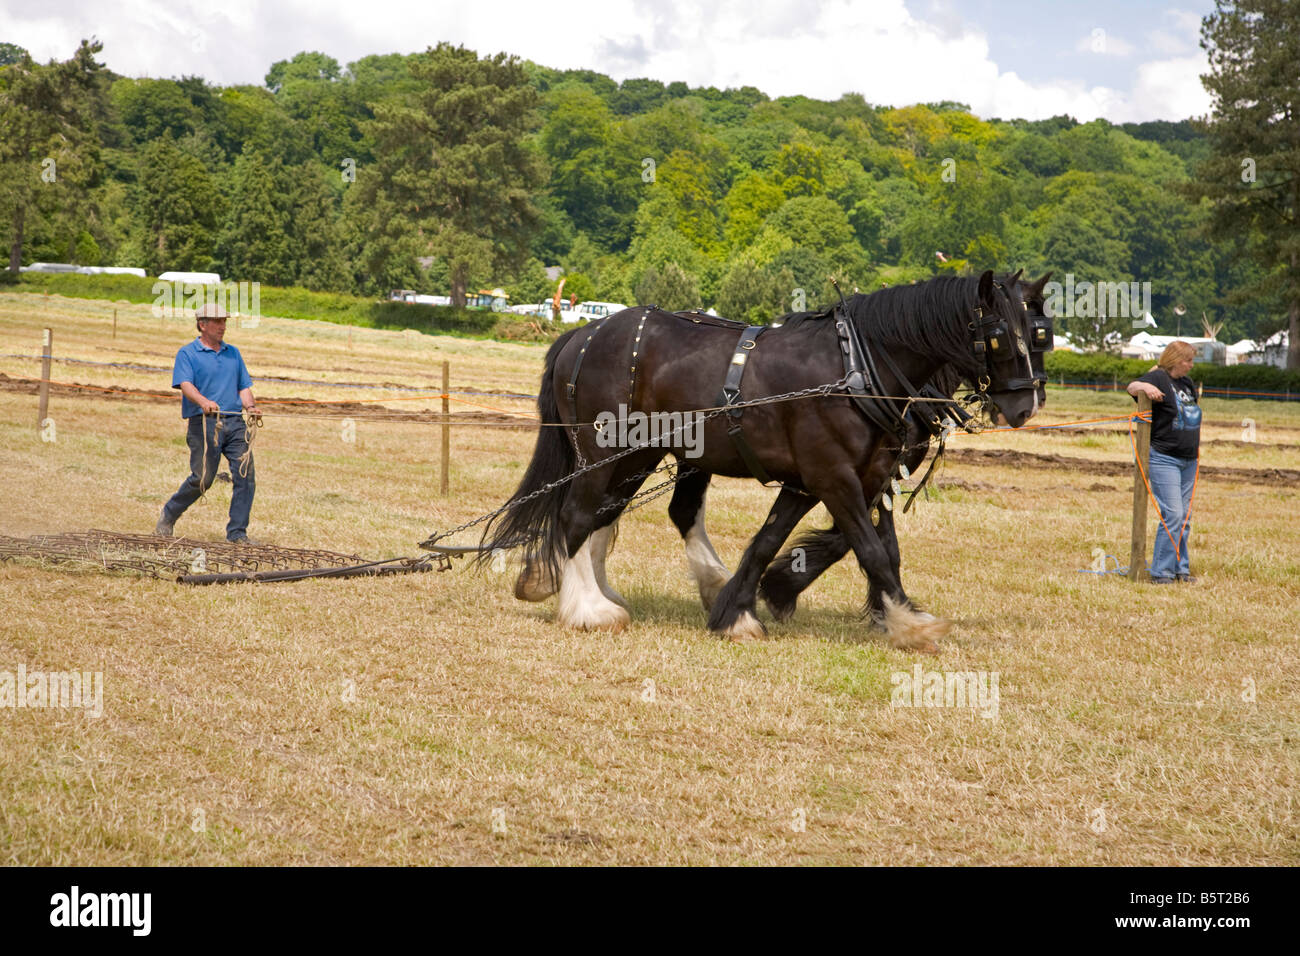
[
  {"x": 1162, "y": 41},
  {"x": 818, "y": 48},
  {"x": 1174, "y": 86}
]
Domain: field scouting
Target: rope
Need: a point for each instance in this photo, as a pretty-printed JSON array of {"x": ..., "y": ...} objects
[{"x": 251, "y": 424}]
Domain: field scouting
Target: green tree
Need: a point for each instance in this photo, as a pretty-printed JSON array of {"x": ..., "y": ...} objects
[
  {"x": 594, "y": 176},
  {"x": 755, "y": 294},
  {"x": 254, "y": 243},
  {"x": 1252, "y": 177},
  {"x": 454, "y": 166},
  {"x": 673, "y": 289},
  {"x": 750, "y": 201},
  {"x": 48, "y": 147},
  {"x": 312, "y": 227},
  {"x": 11, "y": 53},
  {"x": 177, "y": 209}
]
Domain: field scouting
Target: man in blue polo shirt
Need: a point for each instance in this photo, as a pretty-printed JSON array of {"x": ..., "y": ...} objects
[{"x": 215, "y": 389}]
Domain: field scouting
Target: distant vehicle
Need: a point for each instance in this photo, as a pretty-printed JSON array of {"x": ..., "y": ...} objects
[
  {"x": 48, "y": 267},
  {"x": 193, "y": 278},
  {"x": 411, "y": 297},
  {"x": 494, "y": 300},
  {"x": 110, "y": 271},
  {"x": 590, "y": 311}
]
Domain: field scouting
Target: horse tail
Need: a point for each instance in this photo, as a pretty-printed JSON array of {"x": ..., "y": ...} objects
[{"x": 535, "y": 524}]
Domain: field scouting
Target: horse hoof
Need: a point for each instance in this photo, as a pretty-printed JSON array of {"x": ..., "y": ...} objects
[
  {"x": 611, "y": 618},
  {"x": 745, "y": 628},
  {"x": 913, "y": 630},
  {"x": 535, "y": 583}
]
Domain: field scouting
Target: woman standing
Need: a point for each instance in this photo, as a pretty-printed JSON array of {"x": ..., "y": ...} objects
[{"x": 1175, "y": 449}]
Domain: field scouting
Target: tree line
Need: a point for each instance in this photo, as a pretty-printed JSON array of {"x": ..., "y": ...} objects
[{"x": 446, "y": 171}]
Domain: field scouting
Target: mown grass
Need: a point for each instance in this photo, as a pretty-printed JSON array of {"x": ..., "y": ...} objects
[{"x": 383, "y": 721}]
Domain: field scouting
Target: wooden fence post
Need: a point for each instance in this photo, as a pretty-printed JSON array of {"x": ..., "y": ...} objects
[
  {"x": 1138, "y": 545},
  {"x": 47, "y": 344},
  {"x": 446, "y": 426}
]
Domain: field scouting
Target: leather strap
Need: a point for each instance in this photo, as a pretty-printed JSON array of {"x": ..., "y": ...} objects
[
  {"x": 572, "y": 393},
  {"x": 731, "y": 394}
]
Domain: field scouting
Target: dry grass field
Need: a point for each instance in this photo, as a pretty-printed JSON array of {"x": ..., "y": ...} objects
[{"x": 433, "y": 719}]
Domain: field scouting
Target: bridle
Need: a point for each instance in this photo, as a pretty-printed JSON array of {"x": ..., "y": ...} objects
[{"x": 991, "y": 340}]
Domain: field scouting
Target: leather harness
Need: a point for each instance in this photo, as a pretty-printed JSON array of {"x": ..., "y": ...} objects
[
  {"x": 861, "y": 378},
  {"x": 730, "y": 394}
]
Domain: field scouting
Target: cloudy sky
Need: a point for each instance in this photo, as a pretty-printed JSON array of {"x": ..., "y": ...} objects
[{"x": 1125, "y": 60}]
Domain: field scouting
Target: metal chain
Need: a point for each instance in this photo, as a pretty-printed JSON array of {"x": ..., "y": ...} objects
[{"x": 551, "y": 486}]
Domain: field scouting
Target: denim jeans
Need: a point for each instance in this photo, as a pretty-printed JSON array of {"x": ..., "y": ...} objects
[
  {"x": 231, "y": 440},
  {"x": 1171, "y": 484}
]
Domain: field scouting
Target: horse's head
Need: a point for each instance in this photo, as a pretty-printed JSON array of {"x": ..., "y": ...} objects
[
  {"x": 1041, "y": 329},
  {"x": 1000, "y": 335}
]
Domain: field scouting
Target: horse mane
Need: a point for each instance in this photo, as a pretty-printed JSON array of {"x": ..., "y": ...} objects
[{"x": 930, "y": 317}]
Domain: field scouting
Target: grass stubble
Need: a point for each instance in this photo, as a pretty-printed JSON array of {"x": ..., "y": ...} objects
[{"x": 432, "y": 719}]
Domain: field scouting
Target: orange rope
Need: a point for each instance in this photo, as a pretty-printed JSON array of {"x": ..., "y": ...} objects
[
  {"x": 1082, "y": 421},
  {"x": 1150, "y": 494}
]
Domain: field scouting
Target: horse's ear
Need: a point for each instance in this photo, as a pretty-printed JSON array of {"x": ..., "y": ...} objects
[
  {"x": 1016, "y": 278},
  {"x": 1037, "y": 288},
  {"x": 986, "y": 287}
]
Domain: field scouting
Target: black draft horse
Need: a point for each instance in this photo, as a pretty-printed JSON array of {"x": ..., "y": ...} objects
[
  {"x": 794, "y": 572},
  {"x": 647, "y": 361}
]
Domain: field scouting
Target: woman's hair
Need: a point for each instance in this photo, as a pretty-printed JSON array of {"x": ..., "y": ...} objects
[{"x": 1174, "y": 353}]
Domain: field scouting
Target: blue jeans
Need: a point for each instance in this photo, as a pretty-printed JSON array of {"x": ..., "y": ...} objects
[
  {"x": 1171, "y": 483},
  {"x": 231, "y": 441}
]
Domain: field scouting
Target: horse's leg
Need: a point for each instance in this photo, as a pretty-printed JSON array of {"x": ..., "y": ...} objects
[
  {"x": 601, "y": 539},
  {"x": 587, "y": 518},
  {"x": 904, "y": 626},
  {"x": 536, "y": 581},
  {"x": 794, "y": 571},
  {"x": 733, "y": 611},
  {"x": 686, "y": 509}
]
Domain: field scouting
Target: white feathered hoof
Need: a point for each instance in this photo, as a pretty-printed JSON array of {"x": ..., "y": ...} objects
[
  {"x": 596, "y": 617},
  {"x": 535, "y": 582},
  {"x": 912, "y": 630},
  {"x": 745, "y": 629},
  {"x": 711, "y": 586},
  {"x": 582, "y": 605}
]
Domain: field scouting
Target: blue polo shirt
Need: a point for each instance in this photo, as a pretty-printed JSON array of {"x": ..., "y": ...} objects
[{"x": 219, "y": 376}]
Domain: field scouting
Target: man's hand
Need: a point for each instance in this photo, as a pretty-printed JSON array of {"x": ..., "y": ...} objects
[
  {"x": 209, "y": 407},
  {"x": 252, "y": 410}
]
